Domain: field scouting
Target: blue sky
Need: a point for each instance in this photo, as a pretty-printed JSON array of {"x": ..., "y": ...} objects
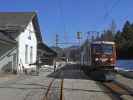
[{"x": 66, "y": 17}]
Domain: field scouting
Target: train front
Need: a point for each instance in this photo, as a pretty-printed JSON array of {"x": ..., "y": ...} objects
[{"x": 103, "y": 55}]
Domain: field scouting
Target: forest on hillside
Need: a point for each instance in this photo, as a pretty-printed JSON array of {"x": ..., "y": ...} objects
[{"x": 123, "y": 40}]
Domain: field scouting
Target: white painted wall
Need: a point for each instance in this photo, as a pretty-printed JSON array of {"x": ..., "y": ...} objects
[{"x": 22, "y": 42}]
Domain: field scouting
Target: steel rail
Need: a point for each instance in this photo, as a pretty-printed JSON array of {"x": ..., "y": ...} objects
[
  {"x": 117, "y": 90},
  {"x": 61, "y": 91},
  {"x": 128, "y": 89},
  {"x": 47, "y": 94},
  {"x": 48, "y": 90}
]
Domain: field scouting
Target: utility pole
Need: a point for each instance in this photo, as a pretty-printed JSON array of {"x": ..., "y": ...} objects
[
  {"x": 88, "y": 35},
  {"x": 79, "y": 37},
  {"x": 57, "y": 40},
  {"x": 56, "y": 44}
]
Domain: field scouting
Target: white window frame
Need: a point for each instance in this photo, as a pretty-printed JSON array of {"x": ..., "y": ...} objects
[
  {"x": 31, "y": 54},
  {"x": 26, "y": 54}
]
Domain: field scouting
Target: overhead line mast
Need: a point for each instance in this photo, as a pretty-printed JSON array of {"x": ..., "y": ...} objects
[
  {"x": 111, "y": 9},
  {"x": 107, "y": 13},
  {"x": 62, "y": 17}
]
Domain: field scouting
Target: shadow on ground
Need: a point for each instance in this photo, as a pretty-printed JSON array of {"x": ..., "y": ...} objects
[{"x": 69, "y": 71}]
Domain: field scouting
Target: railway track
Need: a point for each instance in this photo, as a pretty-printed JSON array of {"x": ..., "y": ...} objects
[
  {"x": 55, "y": 86},
  {"x": 48, "y": 93},
  {"x": 118, "y": 91}
]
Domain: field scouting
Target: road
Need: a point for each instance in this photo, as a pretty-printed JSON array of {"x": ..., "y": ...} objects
[{"x": 76, "y": 86}]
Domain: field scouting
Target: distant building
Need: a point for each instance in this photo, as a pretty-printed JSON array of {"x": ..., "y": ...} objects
[{"x": 20, "y": 37}]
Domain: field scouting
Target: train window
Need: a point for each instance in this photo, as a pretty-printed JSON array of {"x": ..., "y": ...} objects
[
  {"x": 106, "y": 48},
  {"x": 102, "y": 48},
  {"x": 96, "y": 48}
]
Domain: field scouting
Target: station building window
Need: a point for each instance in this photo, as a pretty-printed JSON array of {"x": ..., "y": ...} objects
[
  {"x": 31, "y": 54},
  {"x": 26, "y": 54}
]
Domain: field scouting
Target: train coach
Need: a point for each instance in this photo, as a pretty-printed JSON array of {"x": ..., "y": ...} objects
[{"x": 98, "y": 56}]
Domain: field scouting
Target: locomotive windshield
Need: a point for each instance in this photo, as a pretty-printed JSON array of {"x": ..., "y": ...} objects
[
  {"x": 107, "y": 48},
  {"x": 102, "y": 48}
]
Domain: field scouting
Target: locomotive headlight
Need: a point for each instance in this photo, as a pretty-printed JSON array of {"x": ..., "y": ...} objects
[
  {"x": 111, "y": 59},
  {"x": 96, "y": 59}
]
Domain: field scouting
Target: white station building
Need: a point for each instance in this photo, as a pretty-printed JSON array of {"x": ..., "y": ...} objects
[{"x": 19, "y": 37}]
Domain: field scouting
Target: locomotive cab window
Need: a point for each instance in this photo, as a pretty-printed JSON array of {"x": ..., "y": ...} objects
[
  {"x": 107, "y": 49},
  {"x": 104, "y": 48}
]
